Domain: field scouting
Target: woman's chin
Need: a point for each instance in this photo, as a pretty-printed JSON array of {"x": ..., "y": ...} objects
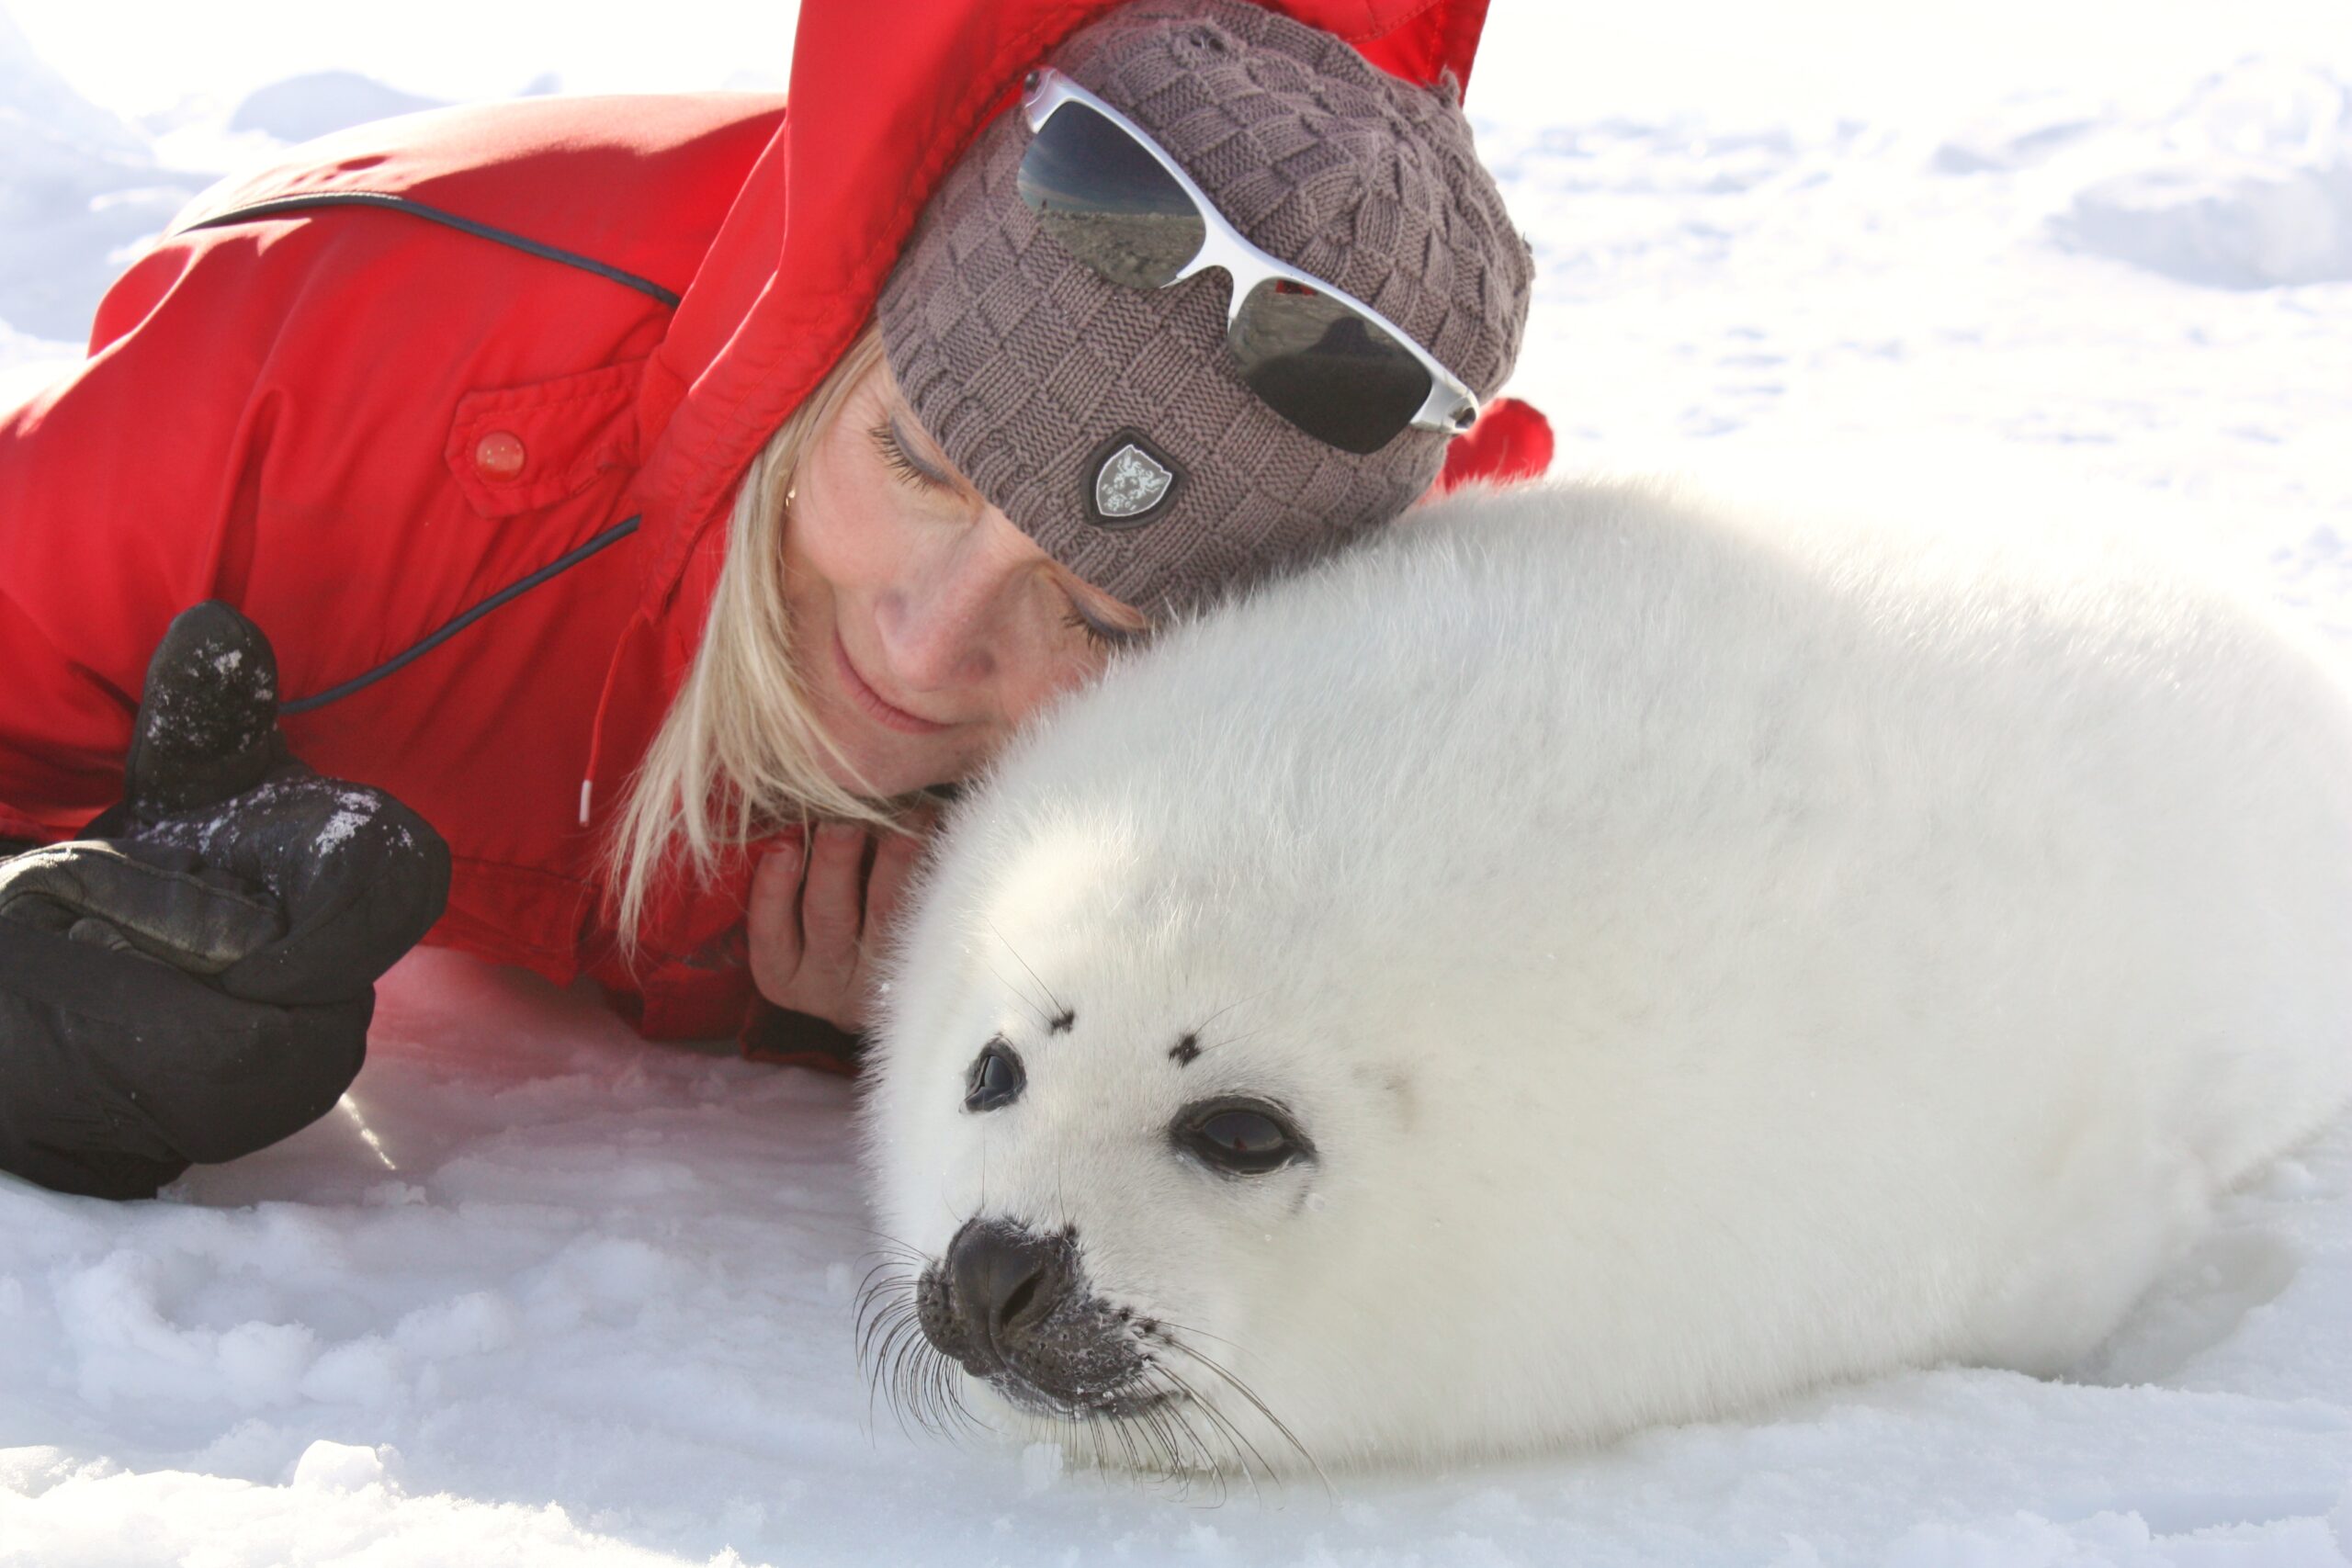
[{"x": 886, "y": 771}]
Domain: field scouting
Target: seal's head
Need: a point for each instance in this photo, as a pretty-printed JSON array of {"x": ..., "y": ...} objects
[{"x": 1117, "y": 1146}]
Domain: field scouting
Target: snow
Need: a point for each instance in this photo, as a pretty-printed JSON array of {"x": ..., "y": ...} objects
[
  {"x": 592, "y": 1301},
  {"x": 353, "y": 810},
  {"x": 544, "y": 1294}
]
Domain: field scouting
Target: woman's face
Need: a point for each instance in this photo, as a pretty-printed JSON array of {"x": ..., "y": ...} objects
[{"x": 926, "y": 626}]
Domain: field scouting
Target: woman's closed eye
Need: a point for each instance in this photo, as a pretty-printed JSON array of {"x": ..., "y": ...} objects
[
  {"x": 1100, "y": 634},
  {"x": 911, "y": 469}
]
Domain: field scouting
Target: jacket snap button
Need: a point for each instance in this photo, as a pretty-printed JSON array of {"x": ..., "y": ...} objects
[{"x": 499, "y": 455}]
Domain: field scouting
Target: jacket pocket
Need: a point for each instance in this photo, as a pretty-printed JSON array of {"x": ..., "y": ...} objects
[{"x": 514, "y": 449}]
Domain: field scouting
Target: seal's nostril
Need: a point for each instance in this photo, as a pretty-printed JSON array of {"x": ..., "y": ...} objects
[{"x": 1006, "y": 1280}]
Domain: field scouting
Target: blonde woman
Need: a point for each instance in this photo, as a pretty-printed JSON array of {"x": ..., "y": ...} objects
[{"x": 623, "y": 509}]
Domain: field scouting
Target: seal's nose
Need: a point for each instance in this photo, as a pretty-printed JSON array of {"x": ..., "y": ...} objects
[{"x": 1006, "y": 1280}]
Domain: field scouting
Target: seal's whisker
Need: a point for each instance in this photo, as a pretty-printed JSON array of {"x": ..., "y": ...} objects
[
  {"x": 887, "y": 1266},
  {"x": 1090, "y": 1451},
  {"x": 1250, "y": 1395},
  {"x": 904, "y": 1349},
  {"x": 1133, "y": 1431},
  {"x": 885, "y": 1285},
  {"x": 873, "y": 1325},
  {"x": 1151, "y": 1429},
  {"x": 1045, "y": 1019},
  {"x": 1097, "y": 1448},
  {"x": 888, "y": 1384},
  {"x": 1202, "y": 1027},
  {"x": 886, "y": 1296},
  {"x": 1096, "y": 1431},
  {"x": 1189, "y": 1452},
  {"x": 1059, "y": 1010},
  {"x": 1182, "y": 1452},
  {"x": 905, "y": 1364},
  {"x": 892, "y": 1279},
  {"x": 1195, "y": 1333},
  {"x": 933, "y": 1391},
  {"x": 944, "y": 1412},
  {"x": 888, "y": 1243},
  {"x": 1161, "y": 1434},
  {"x": 1237, "y": 1039},
  {"x": 1223, "y": 1424},
  {"x": 881, "y": 1325},
  {"x": 1235, "y": 1440},
  {"x": 950, "y": 1393}
]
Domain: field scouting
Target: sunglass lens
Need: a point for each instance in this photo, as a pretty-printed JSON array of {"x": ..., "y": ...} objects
[
  {"x": 1324, "y": 368},
  {"x": 1108, "y": 201}
]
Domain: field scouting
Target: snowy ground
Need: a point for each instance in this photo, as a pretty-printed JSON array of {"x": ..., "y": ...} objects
[{"x": 568, "y": 1299}]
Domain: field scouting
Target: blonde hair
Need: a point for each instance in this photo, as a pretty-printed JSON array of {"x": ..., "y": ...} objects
[{"x": 739, "y": 754}]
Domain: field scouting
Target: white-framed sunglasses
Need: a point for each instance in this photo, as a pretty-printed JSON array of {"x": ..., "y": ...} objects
[{"x": 1323, "y": 359}]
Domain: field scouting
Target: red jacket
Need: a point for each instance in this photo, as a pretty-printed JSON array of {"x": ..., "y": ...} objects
[{"x": 358, "y": 409}]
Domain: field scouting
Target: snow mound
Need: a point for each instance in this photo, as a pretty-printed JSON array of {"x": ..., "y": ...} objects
[
  {"x": 2247, "y": 185},
  {"x": 302, "y": 107}
]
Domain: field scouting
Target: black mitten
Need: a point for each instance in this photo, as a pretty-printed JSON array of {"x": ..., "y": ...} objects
[{"x": 194, "y": 979}]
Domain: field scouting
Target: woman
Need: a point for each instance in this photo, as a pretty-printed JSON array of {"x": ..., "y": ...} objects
[{"x": 620, "y": 486}]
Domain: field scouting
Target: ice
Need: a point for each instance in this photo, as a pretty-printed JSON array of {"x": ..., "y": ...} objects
[{"x": 541, "y": 1293}]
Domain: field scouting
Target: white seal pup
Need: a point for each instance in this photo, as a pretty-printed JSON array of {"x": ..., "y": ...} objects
[{"x": 1594, "y": 959}]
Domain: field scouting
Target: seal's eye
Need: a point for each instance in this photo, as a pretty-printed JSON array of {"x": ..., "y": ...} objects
[
  {"x": 1247, "y": 1137},
  {"x": 996, "y": 1078}
]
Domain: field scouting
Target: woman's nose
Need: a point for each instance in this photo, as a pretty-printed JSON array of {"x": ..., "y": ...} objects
[{"x": 948, "y": 625}]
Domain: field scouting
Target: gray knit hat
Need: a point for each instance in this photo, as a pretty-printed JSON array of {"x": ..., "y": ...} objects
[{"x": 1035, "y": 375}]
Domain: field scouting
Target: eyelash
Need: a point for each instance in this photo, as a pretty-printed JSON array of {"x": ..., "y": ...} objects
[
  {"x": 894, "y": 457},
  {"x": 1096, "y": 636}
]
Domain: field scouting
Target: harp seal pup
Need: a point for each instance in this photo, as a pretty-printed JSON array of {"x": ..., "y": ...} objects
[{"x": 1596, "y": 958}]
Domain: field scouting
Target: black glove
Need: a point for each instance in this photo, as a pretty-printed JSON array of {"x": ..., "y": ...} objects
[{"x": 193, "y": 980}]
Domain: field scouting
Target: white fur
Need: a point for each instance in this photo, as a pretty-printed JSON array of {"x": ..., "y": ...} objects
[{"x": 1710, "y": 955}]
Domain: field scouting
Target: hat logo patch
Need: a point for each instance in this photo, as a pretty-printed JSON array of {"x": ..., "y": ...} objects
[{"x": 1130, "y": 484}]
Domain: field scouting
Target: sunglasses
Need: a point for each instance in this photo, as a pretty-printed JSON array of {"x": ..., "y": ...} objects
[{"x": 1321, "y": 358}]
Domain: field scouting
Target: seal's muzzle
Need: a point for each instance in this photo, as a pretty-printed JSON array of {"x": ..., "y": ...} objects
[{"x": 1011, "y": 1307}]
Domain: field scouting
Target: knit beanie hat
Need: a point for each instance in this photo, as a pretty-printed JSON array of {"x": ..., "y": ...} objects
[{"x": 1042, "y": 381}]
